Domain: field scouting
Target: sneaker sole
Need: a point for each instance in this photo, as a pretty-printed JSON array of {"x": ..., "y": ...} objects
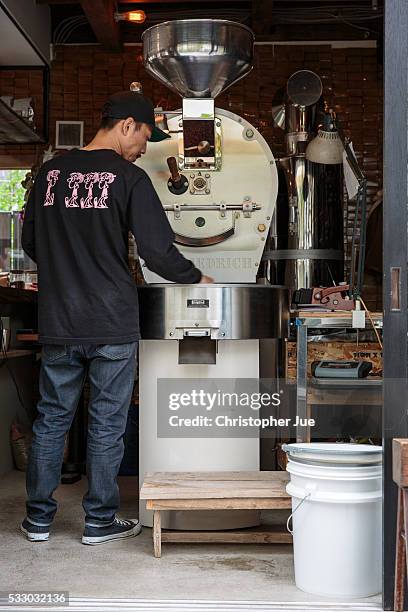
[
  {"x": 94, "y": 541},
  {"x": 34, "y": 537}
]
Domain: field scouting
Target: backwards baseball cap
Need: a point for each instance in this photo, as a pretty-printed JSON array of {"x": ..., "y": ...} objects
[{"x": 124, "y": 104}]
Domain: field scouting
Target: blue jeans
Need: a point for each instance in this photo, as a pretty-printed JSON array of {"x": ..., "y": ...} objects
[{"x": 111, "y": 372}]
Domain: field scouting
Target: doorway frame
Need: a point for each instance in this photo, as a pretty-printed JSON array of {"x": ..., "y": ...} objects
[{"x": 395, "y": 256}]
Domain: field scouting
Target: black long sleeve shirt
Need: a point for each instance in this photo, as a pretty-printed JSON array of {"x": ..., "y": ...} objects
[{"x": 76, "y": 224}]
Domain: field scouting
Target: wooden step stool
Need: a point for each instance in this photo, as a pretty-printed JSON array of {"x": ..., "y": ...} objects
[{"x": 216, "y": 491}]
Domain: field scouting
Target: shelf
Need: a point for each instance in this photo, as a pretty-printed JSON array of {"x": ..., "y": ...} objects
[
  {"x": 368, "y": 393},
  {"x": 316, "y": 319},
  {"x": 364, "y": 396},
  {"x": 27, "y": 337}
]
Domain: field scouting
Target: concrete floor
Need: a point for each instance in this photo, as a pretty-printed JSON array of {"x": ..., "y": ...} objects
[{"x": 128, "y": 569}]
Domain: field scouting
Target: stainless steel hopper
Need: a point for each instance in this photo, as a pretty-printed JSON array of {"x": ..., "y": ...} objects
[{"x": 198, "y": 58}]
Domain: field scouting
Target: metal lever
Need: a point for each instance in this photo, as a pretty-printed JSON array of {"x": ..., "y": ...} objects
[
  {"x": 175, "y": 174},
  {"x": 177, "y": 183}
]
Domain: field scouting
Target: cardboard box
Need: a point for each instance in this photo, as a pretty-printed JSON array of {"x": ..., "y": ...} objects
[{"x": 316, "y": 351}]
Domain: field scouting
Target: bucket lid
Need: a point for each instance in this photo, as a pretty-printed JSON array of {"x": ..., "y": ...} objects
[{"x": 332, "y": 452}]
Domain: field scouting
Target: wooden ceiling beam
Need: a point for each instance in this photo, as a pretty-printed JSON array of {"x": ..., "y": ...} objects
[
  {"x": 158, "y": 2},
  {"x": 57, "y": 1},
  {"x": 100, "y": 16},
  {"x": 180, "y": 1}
]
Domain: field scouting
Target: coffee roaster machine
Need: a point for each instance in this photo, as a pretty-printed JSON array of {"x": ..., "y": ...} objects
[{"x": 217, "y": 180}]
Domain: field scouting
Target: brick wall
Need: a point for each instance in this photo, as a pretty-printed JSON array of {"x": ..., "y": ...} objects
[{"x": 83, "y": 76}]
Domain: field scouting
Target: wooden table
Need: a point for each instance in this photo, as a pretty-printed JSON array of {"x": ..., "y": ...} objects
[{"x": 216, "y": 491}]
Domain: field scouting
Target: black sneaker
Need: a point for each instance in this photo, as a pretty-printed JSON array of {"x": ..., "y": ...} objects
[
  {"x": 34, "y": 533},
  {"x": 118, "y": 530}
]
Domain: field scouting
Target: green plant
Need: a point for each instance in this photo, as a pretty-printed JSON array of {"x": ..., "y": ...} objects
[{"x": 11, "y": 190}]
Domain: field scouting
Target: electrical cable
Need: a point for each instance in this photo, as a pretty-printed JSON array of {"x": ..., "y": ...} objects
[
  {"x": 310, "y": 16},
  {"x": 65, "y": 25},
  {"x": 372, "y": 323},
  {"x": 66, "y": 22},
  {"x": 61, "y": 25},
  {"x": 67, "y": 31},
  {"x": 317, "y": 15},
  {"x": 352, "y": 25}
]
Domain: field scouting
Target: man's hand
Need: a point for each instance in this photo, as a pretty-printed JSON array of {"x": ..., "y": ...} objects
[{"x": 206, "y": 279}]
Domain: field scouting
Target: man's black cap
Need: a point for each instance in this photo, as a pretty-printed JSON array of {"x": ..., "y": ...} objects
[{"x": 124, "y": 104}]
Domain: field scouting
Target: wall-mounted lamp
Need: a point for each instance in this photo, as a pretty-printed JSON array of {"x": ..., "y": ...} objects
[
  {"x": 326, "y": 147},
  {"x": 133, "y": 16}
]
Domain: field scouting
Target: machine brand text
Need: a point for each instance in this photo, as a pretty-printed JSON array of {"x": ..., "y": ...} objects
[{"x": 219, "y": 263}]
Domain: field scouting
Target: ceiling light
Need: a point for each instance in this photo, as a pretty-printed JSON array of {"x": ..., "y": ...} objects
[{"x": 133, "y": 16}]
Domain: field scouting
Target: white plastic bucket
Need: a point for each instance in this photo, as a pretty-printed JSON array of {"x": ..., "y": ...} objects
[{"x": 336, "y": 494}]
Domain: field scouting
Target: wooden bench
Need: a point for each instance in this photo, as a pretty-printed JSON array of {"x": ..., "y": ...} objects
[{"x": 216, "y": 491}]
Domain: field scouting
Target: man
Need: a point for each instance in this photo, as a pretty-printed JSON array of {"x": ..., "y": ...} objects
[{"x": 76, "y": 226}]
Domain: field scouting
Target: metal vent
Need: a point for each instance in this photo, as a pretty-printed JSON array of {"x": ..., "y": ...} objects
[{"x": 69, "y": 134}]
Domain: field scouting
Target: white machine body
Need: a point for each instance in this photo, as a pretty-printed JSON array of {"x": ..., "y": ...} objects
[
  {"x": 159, "y": 359},
  {"x": 221, "y": 221},
  {"x": 248, "y": 176}
]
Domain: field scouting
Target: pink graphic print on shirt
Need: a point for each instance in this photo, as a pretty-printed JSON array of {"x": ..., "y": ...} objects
[
  {"x": 74, "y": 181},
  {"x": 105, "y": 179},
  {"x": 89, "y": 181},
  {"x": 52, "y": 178}
]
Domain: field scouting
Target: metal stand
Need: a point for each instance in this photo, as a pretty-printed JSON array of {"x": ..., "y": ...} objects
[{"x": 303, "y": 322}]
